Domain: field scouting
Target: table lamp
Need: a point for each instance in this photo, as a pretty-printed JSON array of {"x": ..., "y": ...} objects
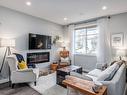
[{"x": 8, "y": 43}]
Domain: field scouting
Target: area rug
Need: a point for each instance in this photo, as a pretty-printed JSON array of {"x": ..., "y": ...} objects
[
  {"x": 55, "y": 90},
  {"x": 46, "y": 85}
]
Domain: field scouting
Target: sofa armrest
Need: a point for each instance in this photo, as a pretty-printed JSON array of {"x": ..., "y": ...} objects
[
  {"x": 111, "y": 87},
  {"x": 25, "y": 70},
  {"x": 33, "y": 70},
  {"x": 23, "y": 76},
  {"x": 106, "y": 82}
]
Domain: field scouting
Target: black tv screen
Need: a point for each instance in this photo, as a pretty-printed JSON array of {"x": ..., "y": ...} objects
[{"x": 37, "y": 41}]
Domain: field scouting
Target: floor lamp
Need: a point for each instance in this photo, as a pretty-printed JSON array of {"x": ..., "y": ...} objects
[{"x": 8, "y": 43}]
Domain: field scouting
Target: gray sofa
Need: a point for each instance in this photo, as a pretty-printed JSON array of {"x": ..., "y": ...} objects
[{"x": 116, "y": 86}]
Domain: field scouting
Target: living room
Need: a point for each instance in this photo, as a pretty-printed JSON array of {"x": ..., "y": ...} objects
[{"x": 92, "y": 32}]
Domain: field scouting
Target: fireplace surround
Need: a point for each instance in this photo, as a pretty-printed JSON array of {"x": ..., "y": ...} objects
[{"x": 38, "y": 57}]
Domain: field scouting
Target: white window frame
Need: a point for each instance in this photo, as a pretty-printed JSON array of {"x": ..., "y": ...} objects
[{"x": 86, "y": 40}]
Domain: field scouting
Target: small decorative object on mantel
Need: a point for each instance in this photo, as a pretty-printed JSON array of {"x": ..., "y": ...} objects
[
  {"x": 117, "y": 40},
  {"x": 55, "y": 39}
]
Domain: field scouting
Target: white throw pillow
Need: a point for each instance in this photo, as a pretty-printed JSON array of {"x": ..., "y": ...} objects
[
  {"x": 65, "y": 59},
  {"x": 95, "y": 72},
  {"x": 103, "y": 76},
  {"x": 112, "y": 73},
  {"x": 108, "y": 73}
]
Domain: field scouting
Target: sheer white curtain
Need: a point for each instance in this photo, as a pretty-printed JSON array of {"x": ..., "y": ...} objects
[
  {"x": 104, "y": 42},
  {"x": 71, "y": 39}
]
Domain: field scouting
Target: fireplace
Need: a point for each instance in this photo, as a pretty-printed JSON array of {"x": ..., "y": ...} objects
[{"x": 38, "y": 57}]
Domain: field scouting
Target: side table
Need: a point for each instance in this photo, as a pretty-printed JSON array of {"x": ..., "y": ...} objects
[
  {"x": 62, "y": 72},
  {"x": 53, "y": 66}
]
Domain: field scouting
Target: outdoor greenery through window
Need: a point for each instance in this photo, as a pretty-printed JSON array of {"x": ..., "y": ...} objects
[{"x": 85, "y": 40}]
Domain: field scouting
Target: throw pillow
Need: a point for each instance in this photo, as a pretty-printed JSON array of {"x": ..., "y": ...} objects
[
  {"x": 112, "y": 73},
  {"x": 120, "y": 62},
  {"x": 64, "y": 59},
  {"x": 113, "y": 62},
  {"x": 104, "y": 66},
  {"x": 108, "y": 73},
  {"x": 19, "y": 57},
  {"x": 101, "y": 66},
  {"x": 22, "y": 65},
  {"x": 95, "y": 72},
  {"x": 103, "y": 76}
]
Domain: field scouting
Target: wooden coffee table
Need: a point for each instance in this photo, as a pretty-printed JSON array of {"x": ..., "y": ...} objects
[
  {"x": 62, "y": 72},
  {"x": 83, "y": 86}
]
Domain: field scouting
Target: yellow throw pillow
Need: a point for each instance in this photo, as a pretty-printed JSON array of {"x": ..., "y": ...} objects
[{"x": 22, "y": 65}]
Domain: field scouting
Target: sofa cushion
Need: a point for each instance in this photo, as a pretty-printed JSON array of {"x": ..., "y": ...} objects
[
  {"x": 103, "y": 77},
  {"x": 112, "y": 73},
  {"x": 92, "y": 77},
  {"x": 80, "y": 76},
  {"x": 95, "y": 72},
  {"x": 108, "y": 73}
]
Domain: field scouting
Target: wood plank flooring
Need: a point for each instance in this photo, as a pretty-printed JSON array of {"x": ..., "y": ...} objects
[{"x": 19, "y": 89}]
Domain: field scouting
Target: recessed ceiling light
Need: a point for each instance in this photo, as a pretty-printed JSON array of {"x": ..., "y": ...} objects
[
  {"x": 65, "y": 19},
  {"x": 28, "y": 3},
  {"x": 104, "y": 8}
]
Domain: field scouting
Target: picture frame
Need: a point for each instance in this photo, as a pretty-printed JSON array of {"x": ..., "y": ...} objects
[{"x": 117, "y": 40}]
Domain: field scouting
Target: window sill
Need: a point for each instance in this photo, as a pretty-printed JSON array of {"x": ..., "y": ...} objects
[{"x": 91, "y": 55}]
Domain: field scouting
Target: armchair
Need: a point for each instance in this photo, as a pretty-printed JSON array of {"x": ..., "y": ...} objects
[{"x": 21, "y": 75}]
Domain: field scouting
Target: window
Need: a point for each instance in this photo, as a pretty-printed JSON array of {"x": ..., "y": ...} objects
[{"x": 85, "y": 40}]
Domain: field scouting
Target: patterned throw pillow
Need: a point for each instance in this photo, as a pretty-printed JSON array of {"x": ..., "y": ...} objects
[
  {"x": 19, "y": 57},
  {"x": 21, "y": 62}
]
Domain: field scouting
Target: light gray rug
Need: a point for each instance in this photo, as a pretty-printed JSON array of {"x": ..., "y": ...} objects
[
  {"x": 56, "y": 90},
  {"x": 46, "y": 85}
]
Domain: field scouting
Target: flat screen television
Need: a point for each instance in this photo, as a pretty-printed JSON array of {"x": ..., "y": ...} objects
[{"x": 37, "y": 41}]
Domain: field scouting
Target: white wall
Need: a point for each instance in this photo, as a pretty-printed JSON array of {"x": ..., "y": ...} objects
[
  {"x": 118, "y": 24},
  {"x": 87, "y": 62},
  {"x": 17, "y": 25}
]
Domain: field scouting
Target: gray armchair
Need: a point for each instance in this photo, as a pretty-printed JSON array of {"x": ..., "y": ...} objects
[{"x": 21, "y": 76}]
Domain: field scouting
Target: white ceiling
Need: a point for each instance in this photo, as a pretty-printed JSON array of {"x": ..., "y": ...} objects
[{"x": 74, "y": 10}]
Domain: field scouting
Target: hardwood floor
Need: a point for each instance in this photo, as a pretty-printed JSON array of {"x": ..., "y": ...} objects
[{"x": 19, "y": 89}]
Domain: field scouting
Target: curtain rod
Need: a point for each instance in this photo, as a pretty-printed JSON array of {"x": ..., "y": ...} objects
[
  {"x": 94, "y": 19},
  {"x": 89, "y": 20}
]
